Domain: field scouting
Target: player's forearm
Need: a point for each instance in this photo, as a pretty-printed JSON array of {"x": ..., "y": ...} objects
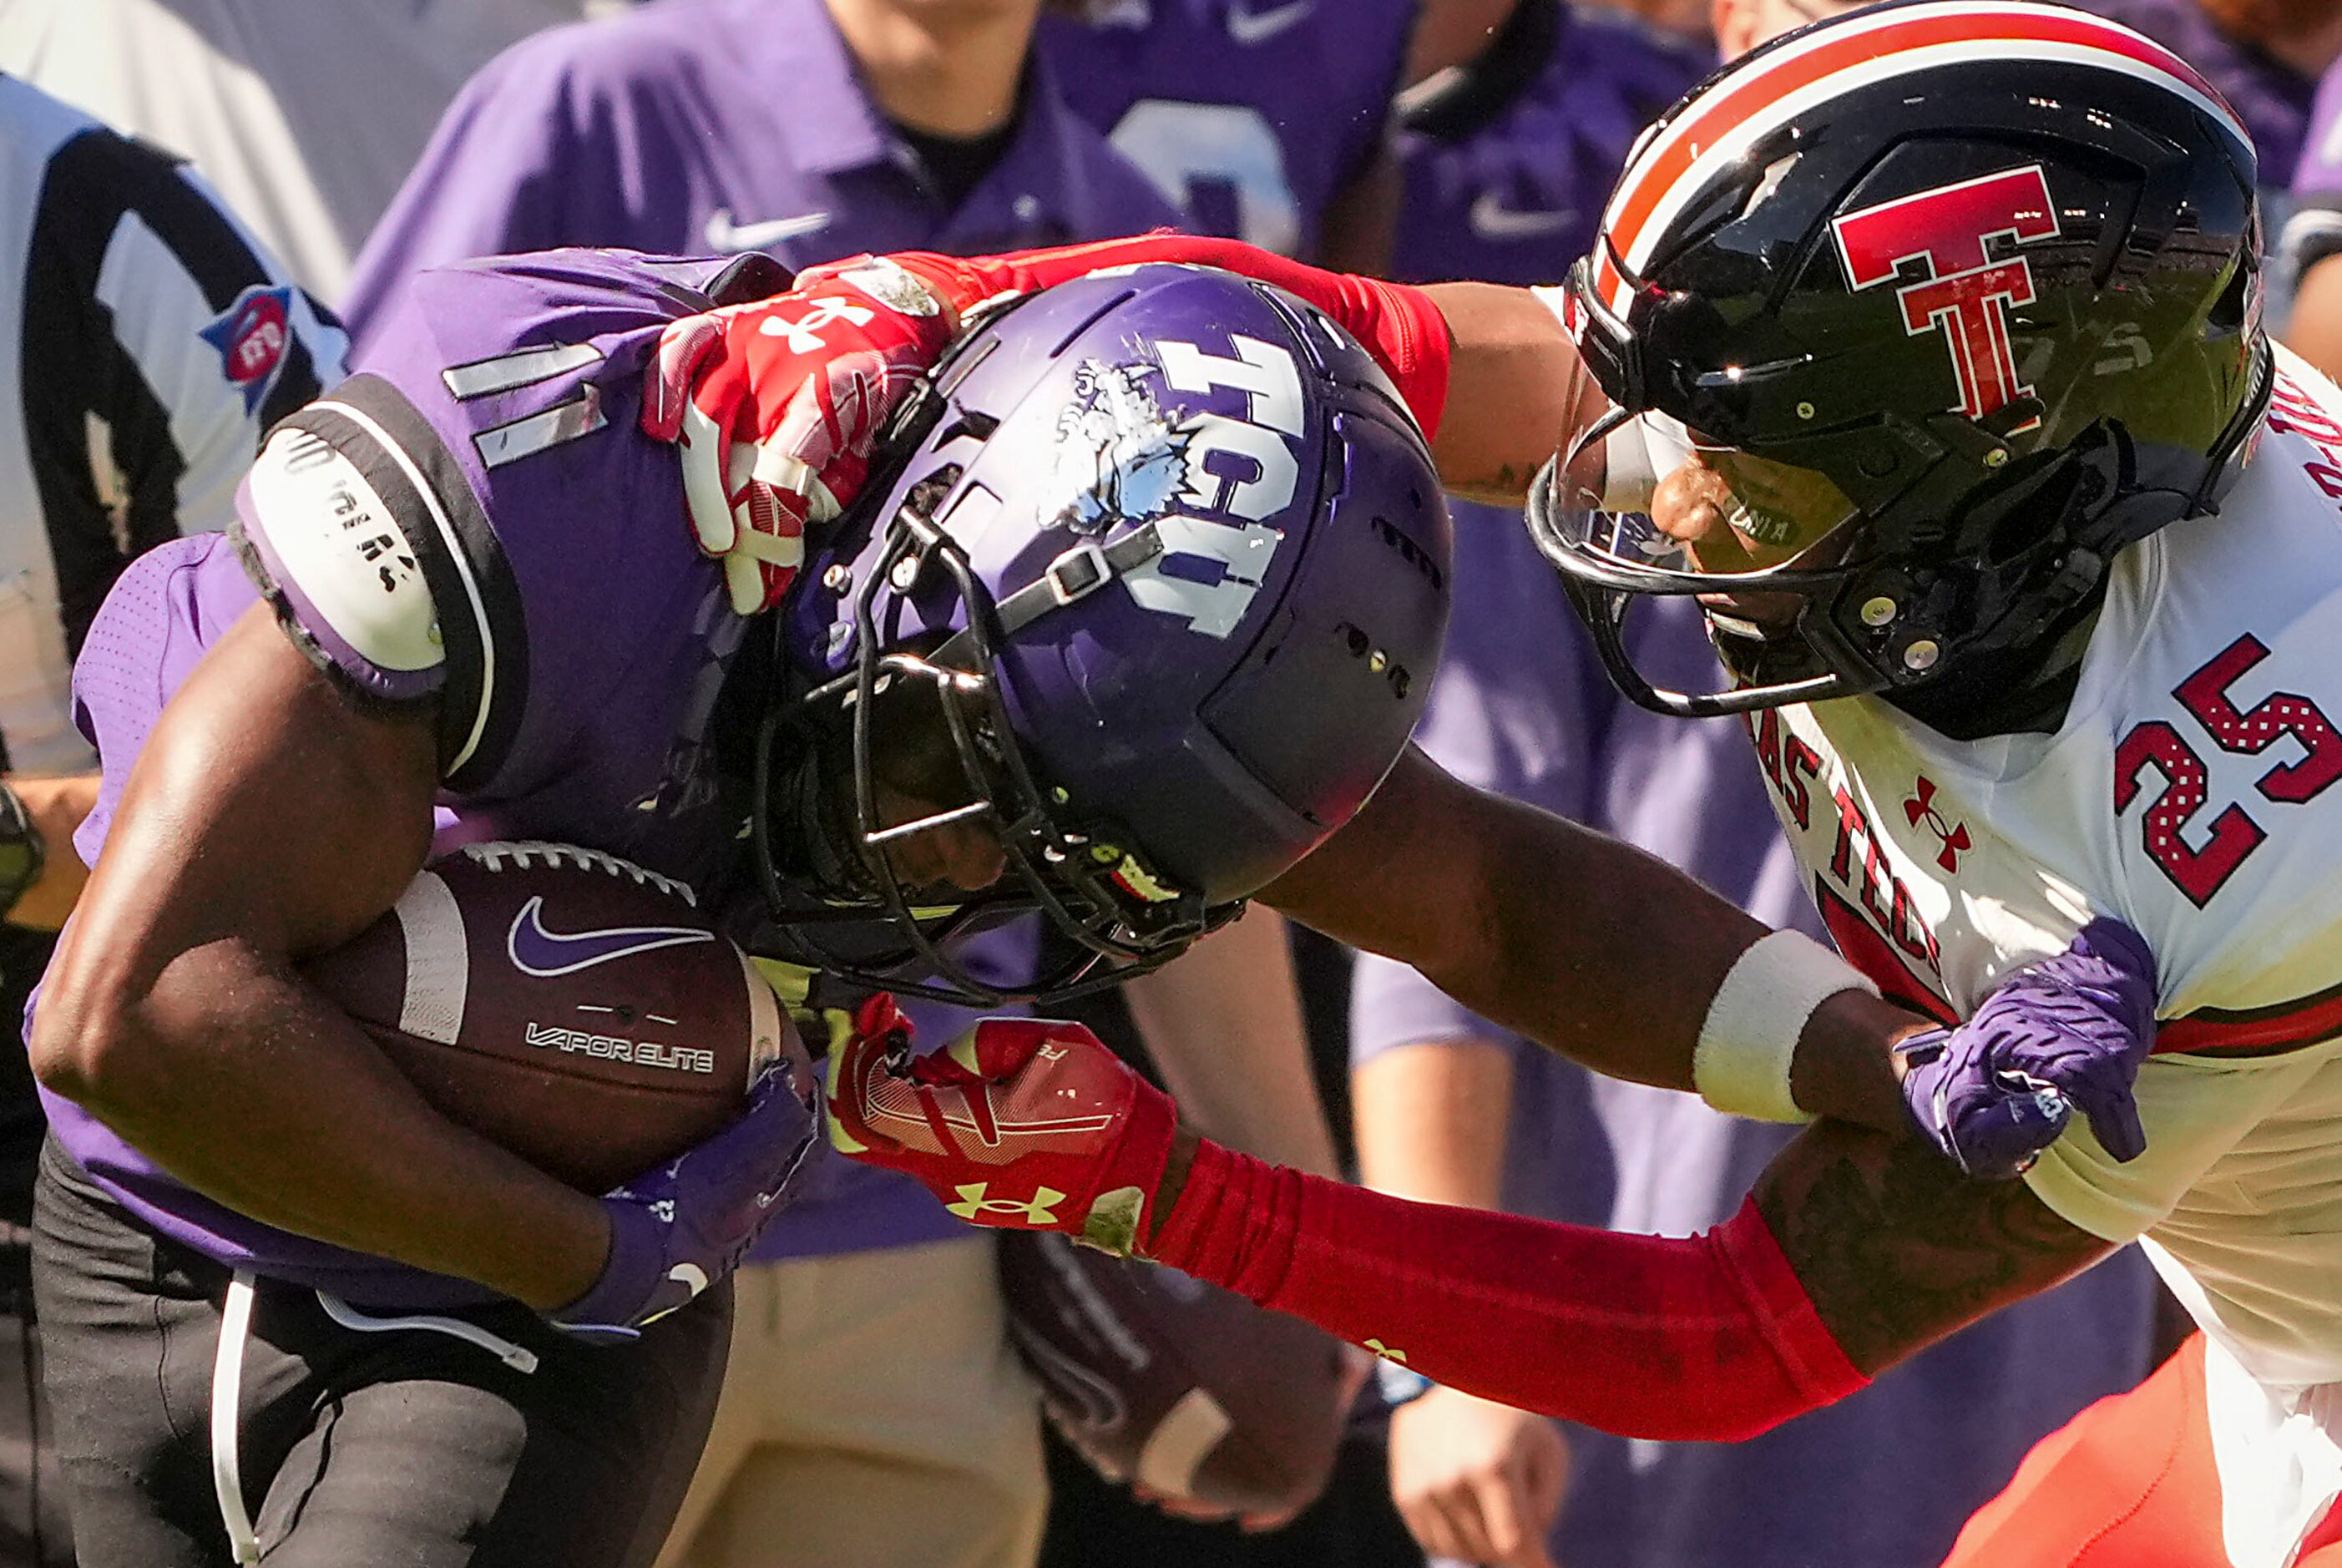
[
  {"x": 240, "y": 1081},
  {"x": 1508, "y": 379},
  {"x": 1585, "y": 944},
  {"x": 57, "y": 806},
  {"x": 267, "y": 820},
  {"x": 1705, "y": 1338},
  {"x": 1431, "y": 1121},
  {"x": 1626, "y": 976},
  {"x": 1224, "y": 1025}
]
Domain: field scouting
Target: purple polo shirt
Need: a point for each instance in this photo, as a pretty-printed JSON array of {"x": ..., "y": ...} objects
[
  {"x": 707, "y": 127},
  {"x": 1251, "y": 115},
  {"x": 663, "y": 130},
  {"x": 1506, "y": 163}
]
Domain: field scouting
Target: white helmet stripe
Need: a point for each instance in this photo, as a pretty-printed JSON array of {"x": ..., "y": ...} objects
[{"x": 1672, "y": 166}]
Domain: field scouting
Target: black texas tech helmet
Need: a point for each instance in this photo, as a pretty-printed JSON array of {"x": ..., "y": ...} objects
[{"x": 1958, "y": 297}]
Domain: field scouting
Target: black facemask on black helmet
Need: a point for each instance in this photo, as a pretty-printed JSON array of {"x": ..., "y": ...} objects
[{"x": 1897, "y": 330}]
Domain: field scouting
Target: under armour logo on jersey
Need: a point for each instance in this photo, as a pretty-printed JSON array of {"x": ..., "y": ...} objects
[
  {"x": 1964, "y": 293},
  {"x": 1039, "y": 1210},
  {"x": 1921, "y": 808},
  {"x": 804, "y": 334},
  {"x": 1389, "y": 1353}
]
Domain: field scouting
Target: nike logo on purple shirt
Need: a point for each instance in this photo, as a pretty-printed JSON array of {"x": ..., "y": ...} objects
[{"x": 536, "y": 951}]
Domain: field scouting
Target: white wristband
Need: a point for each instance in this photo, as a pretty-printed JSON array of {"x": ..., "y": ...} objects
[{"x": 1741, "y": 1063}]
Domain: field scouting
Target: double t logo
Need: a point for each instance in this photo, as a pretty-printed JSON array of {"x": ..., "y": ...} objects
[{"x": 1965, "y": 294}]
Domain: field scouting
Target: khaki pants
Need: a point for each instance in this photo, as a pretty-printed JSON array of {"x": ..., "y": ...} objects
[{"x": 873, "y": 1413}]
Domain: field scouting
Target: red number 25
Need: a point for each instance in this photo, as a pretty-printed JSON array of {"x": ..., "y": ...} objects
[{"x": 2234, "y": 835}]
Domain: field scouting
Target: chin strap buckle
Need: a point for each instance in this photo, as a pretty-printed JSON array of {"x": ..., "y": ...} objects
[{"x": 1075, "y": 574}]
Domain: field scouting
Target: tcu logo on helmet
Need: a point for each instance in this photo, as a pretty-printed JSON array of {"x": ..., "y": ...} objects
[
  {"x": 1967, "y": 294},
  {"x": 1122, "y": 458}
]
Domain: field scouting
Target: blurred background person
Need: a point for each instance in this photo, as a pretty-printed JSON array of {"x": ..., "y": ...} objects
[
  {"x": 148, "y": 341},
  {"x": 1261, "y": 120},
  {"x": 1508, "y": 159},
  {"x": 905, "y": 125},
  {"x": 2313, "y": 236},
  {"x": 2266, "y": 56},
  {"x": 874, "y": 1412},
  {"x": 304, "y": 116}
]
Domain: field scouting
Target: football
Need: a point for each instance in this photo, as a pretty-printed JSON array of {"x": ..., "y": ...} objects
[
  {"x": 572, "y": 1008},
  {"x": 1171, "y": 1385}
]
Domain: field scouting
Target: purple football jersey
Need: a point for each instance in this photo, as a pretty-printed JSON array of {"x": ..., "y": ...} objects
[
  {"x": 1508, "y": 163},
  {"x": 713, "y": 126},
  {"x": 1251, "y": 115},
  {"x": 1521, "y": 705},
  {"x": 474, "y": 515},
  {"x": 660, "y": 130}
]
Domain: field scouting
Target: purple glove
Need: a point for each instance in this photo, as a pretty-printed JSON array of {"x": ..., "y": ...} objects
[
  {"x": 2070, "y": 1031},
  {"x": 680, "y": 1228}
]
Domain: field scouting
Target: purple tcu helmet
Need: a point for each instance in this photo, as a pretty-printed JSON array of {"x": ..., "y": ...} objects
[{"x": 1162, "y": 569}]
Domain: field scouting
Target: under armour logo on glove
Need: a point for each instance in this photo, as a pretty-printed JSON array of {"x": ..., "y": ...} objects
[
  {"x": 805, "y": 335},
  {"x": 1022, "y": 1124},
  {"x": 775, "y": 407}
]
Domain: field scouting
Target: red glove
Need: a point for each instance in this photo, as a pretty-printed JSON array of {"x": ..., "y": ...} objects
[
  {"x": 775, "y": 406},
  {"x": 1021, "y": 1124},
  {"x": 1398, "y": 324}
]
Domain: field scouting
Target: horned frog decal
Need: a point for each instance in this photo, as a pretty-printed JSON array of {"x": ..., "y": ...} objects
[{"x": 1120, "y": 458}]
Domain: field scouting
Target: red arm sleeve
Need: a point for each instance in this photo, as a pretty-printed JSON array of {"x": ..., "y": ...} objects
[
  {"x": 1398, "y": 324},
  {"x": 1709, "y": 1337}
]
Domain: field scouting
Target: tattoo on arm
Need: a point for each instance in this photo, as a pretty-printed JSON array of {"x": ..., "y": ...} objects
[{"x": 1898, "y": 1249}]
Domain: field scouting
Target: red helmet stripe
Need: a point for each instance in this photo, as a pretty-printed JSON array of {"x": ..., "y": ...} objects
[{"x": 1895, "y": 43}]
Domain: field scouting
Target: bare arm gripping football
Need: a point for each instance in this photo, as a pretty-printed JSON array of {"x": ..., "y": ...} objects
[{"x": 268, "y": 819}]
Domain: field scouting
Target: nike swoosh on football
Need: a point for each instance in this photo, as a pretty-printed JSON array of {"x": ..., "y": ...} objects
[
  {"x": 536, "y": 951},
  {"x": 723, "y": 234},
  {"x": 1492, "y": 220},
  {"x": 1253, "y": 26}
]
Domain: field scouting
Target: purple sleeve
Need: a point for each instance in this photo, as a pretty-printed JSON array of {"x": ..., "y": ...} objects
[
  {"x": 1391, "y": 1005},
  {"x": 2318, "y": 174},
  {"x": 166, "y": 609},
  {"x": 476, "y": 517}
]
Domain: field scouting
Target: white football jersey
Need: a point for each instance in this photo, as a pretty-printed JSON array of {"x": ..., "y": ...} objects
[{"x": 2190, "y": 792}]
